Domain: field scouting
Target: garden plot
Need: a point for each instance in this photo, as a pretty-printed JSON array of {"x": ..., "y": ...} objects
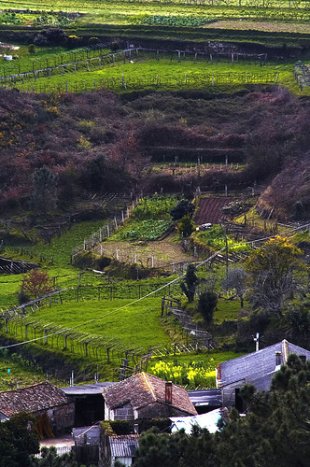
[
  {"x": 210, "y": 210},
  {"x": 157, "y": 254}
]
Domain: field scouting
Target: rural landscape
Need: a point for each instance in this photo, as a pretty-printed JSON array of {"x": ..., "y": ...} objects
[{"x": 154, "y": 233}]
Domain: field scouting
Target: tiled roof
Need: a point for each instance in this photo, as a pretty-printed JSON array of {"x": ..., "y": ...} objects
[
  {"x": 124, "y": 446},
  {"x": 41, "y": 396},
  {"x": 258, "y": 367},
  {"x": 143, "y": 389}
]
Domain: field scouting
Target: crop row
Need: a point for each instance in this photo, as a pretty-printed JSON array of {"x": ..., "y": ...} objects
[{"x": 156, "y": 13}]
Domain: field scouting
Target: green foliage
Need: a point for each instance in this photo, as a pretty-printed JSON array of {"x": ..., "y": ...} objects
[
  {"x": 192, "y": 374},
  {"x": 50, "y": 458},
  {"x": 162, "y": 424},
  {"x": 272, "y": 269},
  {"x": 215, "y": 238},
  {"x": 178, "y": 450},
  {"x": 121, "y": 427},
  {"x": 275, "y": 430},
  {"x": 154, "y": 208},
  {"x": 181, "y": 209},
  {"x": 142, "y": 230},
  {"x": 115, "y": 320},
  {"x": 21, "y": 372},
  {"x": 10, "y": 18},
  {"x": 188, "y": 286},
  {"x": 18, "y": 441},
  {"x": 186, "y": 226},
  {"x": 207, "y": 304},
  {"x": 148, "y": 220},
  {"x": 178, "y": 21},
  {"x": 297, "y": 320}
]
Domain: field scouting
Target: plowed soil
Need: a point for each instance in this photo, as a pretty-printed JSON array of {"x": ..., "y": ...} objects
[{"x": 210, "y": 210}]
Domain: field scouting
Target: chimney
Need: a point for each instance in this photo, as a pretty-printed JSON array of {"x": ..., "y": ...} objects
[
  {"x": 218, "y": 376},
  {"x": 278, "y": 360},
  {"x": 168, "y": 392},
  {"x": 285, "y": 350}
]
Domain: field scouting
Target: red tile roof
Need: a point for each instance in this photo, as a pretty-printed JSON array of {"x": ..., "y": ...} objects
[
  {"x": 143, "y": 389},
  {"x": 41, "y": 396}
]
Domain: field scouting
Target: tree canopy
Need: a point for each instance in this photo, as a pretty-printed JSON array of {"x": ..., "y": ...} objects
[{"x": 271, "y": 268}]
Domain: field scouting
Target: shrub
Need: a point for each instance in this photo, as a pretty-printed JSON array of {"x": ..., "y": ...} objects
[
  {"x": 206, "y": 305},
  {"x": 121, "y": 427},
  {"x": 186, "y": 226},
  {"x": 181, "y": 209}
]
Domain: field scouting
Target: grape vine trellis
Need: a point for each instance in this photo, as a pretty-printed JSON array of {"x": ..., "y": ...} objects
[{"x": 185, "y": 80}]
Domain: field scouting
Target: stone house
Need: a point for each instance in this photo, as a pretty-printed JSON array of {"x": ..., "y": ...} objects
[
  {"x": 50, "y": 406},
  {"x": 146, "y": 396}
]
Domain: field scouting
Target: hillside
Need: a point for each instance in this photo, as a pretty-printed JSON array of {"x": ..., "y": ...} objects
[{"x": 99, "y": 142}]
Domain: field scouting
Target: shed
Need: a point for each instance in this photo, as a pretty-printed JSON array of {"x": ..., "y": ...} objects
[
  {"x": 53, "y": 409},
  {"x": 146, "y": 396},
  {"x": 257, "y": 368},
  {"x": 121, "y": 448},
  {"x": 89, "y": 403}
]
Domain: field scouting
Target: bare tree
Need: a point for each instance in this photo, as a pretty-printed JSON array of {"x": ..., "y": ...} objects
[{"x": 236, "y": 280}]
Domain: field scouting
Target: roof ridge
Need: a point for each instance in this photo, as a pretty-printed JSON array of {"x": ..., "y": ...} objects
[
  {"x": 148, "y": 385},
  {"x": 28, "y": 387}
]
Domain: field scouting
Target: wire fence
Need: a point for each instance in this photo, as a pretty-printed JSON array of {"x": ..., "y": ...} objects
[
  {"x": 104, "y": 232},
  {"x": 53, "y": 67},
  {"x": 127, "y": 82},
  {"x": 302, "y": 74}
]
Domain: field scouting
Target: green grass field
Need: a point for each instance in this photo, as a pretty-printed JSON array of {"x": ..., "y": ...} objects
[
  {"x": 135, "y": 326},
  {"x": 56, "y": 260},
  {"x": 145, "y": 72},
  {"x": 121, "y": 13}
]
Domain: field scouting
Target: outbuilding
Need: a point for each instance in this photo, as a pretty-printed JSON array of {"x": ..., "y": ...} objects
[{"x": 53, "y": 411}]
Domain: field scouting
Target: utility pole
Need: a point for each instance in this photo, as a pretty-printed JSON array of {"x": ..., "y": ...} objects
[{"x": 226, "y": 251}]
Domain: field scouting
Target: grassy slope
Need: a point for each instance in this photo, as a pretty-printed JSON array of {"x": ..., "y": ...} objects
[
  {"x": 20, "y": 375},
  {"x": 58, "y": 253},
  {"x": 166, "y": 74},
  {"x": 136, "y": 326}
]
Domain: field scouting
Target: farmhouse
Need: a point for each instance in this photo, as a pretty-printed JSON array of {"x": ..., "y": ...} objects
[
  {"x": 146, "y": 396},
  {"x": 257, "y": 368},
  {"x": 51, "y": 407}
]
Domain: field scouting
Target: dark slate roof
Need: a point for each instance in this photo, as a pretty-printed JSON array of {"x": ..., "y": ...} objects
[
  {"x": 207, "y": 397},
  {"x": 143, "y": 389},
  {"x": 86, "y": 389},
  {"x": 41, "y": 396},
  {"x": 124, "y": 446},
  {"x": 259, "y": 367}
]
